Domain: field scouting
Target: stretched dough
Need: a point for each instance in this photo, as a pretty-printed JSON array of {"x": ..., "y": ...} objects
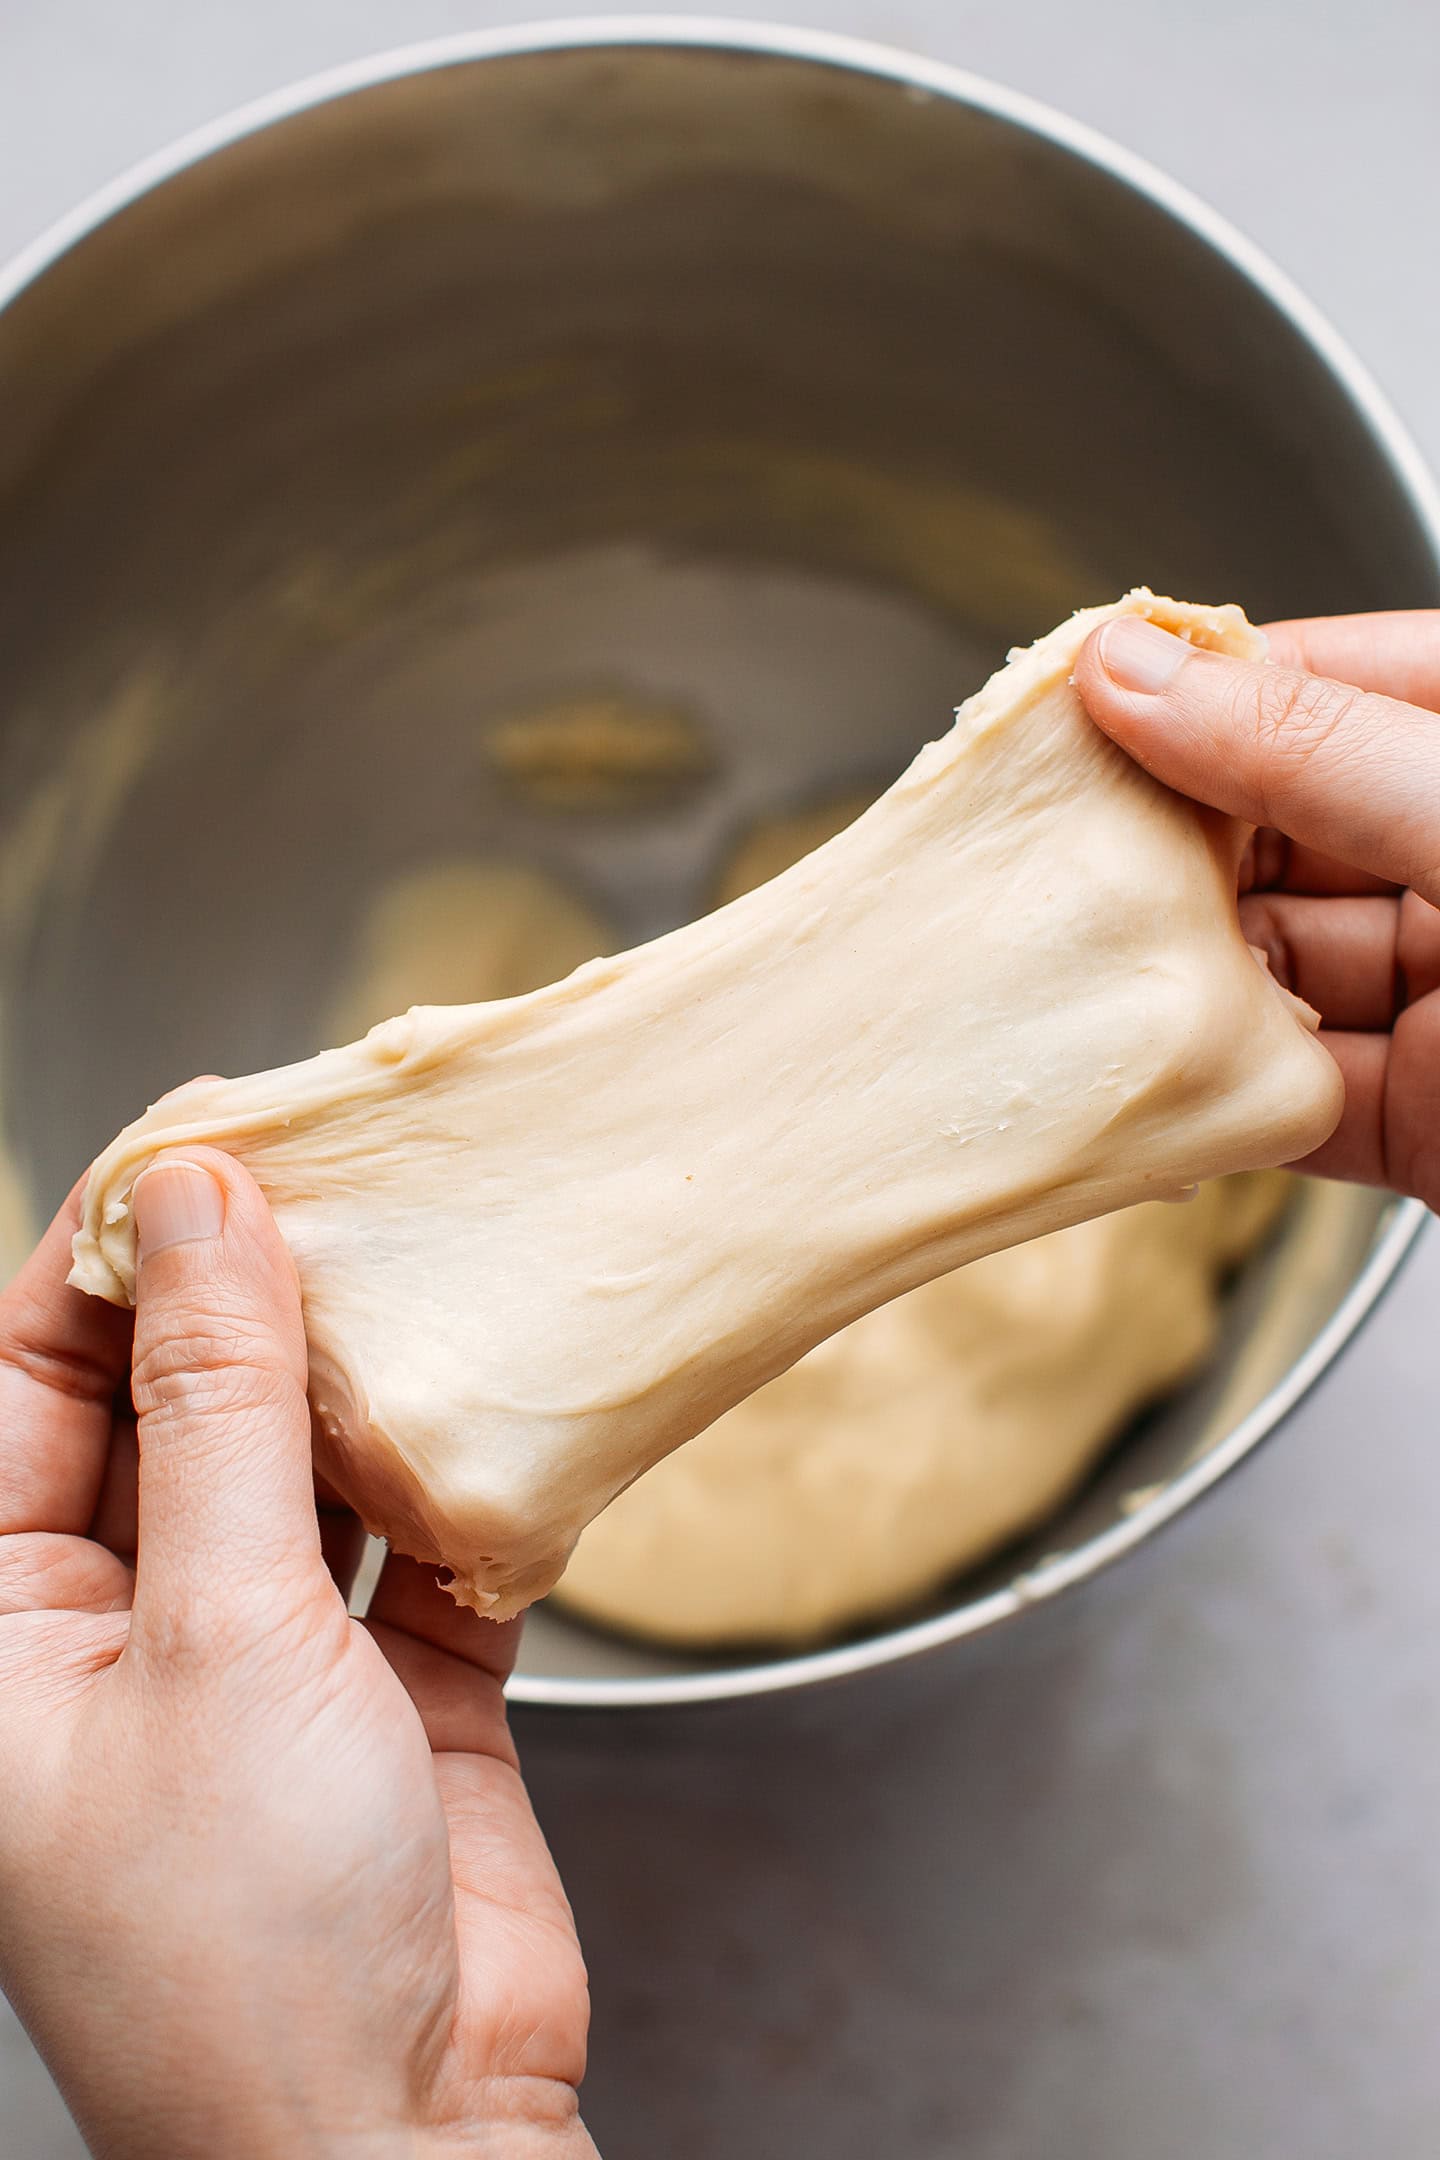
[
  {"x": 928, "y": 1432},
  {"x": 452, "y": 931},
  {"x": 769, "y": 848},
  {"x": 919, "y": 1437},
  {"x": 543, "y": 1242}
]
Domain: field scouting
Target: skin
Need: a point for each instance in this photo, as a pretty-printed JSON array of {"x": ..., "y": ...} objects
[
  {"x": 1332, "y": 750},
  {"x": 270, "y": 1879}
]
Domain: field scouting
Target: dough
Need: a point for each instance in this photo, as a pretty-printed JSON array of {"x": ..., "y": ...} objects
[
  {"x": 953, "y": 1419},
  {"x": 926, "y": 1434},
  {"x": 920, "y": 1438},
  {"x": 450, "y": 932},
  {"x": 543, "y": 1242},
  {"x": 780, "y": 842}
]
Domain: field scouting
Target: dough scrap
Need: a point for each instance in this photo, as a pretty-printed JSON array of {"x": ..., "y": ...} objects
[{"x": 543, "y": 1242}]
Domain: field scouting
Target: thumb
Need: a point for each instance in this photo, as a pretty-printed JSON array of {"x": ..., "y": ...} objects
[
  {"x": 1344, "y": 771},
  {"x": 226, "y": 1493}
]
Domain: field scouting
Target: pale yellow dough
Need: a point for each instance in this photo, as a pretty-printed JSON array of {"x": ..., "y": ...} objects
[
  {"x": 543, "y": 1242},
  {"x": 927, "y": 1433},
  {"x": 919, "y": 1437},
  {"x": 454, "y": 931},
  {"x": 777, "y": 843}
]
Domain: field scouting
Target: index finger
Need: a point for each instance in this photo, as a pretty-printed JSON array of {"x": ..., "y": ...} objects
[
  {"x": 62, "y": 1356},
  {"x": 1397, "y": 654}
]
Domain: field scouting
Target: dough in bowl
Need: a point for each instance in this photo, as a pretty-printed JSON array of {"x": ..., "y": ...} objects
[{"x": 545, "y": 1241}]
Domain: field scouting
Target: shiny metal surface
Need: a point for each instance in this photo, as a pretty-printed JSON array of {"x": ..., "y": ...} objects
[{"x": 772, "y": 377}]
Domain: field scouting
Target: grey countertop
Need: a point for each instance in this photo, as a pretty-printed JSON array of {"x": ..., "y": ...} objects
[{"x": 1159, "y": 1878}]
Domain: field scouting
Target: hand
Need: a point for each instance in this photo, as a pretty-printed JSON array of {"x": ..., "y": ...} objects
[
  {"x": 270, "y": 1880},
  {"x": 1342, "y": 776}
]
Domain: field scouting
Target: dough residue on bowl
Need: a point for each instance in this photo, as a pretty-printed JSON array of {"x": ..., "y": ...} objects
[{"x": 599, "y": 753}]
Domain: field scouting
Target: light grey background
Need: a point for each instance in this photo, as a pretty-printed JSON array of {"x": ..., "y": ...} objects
[{"x": 1160, "y": 1879}]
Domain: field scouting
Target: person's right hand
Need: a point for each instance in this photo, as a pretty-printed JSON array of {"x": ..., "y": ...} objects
[{"x": 1332, "y": 749}]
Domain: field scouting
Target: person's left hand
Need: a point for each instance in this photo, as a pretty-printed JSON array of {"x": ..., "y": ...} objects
[{"x": 270, "y": 1879}]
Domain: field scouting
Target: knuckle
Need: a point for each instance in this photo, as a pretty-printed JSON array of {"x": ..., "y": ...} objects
[
  {"x": 220, "y": 1618},
  {"x": 221, "y": 1368},
  {"x": 180, "y": 1637},
  {"x": 1289, "y": 717},
  {"x": 171, "y": 1389}
]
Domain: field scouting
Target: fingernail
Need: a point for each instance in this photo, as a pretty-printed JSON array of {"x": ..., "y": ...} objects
[
  {"x": 176, "y": 1203},
  {"x": 1136, "y": 655}
]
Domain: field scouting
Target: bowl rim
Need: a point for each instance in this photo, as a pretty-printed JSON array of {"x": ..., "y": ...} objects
[{"x": 1401, "y": 1223}]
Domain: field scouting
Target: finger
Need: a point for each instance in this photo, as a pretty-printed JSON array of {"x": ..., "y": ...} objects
[
  {"x": 226, "y": 1495},
  {"x": 1358, "y": 961},
  {"x": 1356, "y": 1150},
  {"x": 41, "y": 1571},
  {"x": 410, "y": 1598},
  {"x": 1273, "y": 863},
  {"x": 452, "y": 1664},
  {"x": 62, "y": 1355},
  {"x": 1397, "y": 654},
  {"x": 1390, "y": 1131},
  {"x": 1341, "y": 770},
  {"x": 1341, "y": 956},
  {"x": 113, "y": 1525},
  {"x": 114, "y": 1516},
  {"x": 114, "y": 1522},
  {"x": 461, "y": 1709},
  {"x": 1417, "y": 950},
  {"x": 1410, "y": 1103}
]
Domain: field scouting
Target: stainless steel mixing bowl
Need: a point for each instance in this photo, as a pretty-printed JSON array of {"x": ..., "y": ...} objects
[{"x": 766, "y": 377}]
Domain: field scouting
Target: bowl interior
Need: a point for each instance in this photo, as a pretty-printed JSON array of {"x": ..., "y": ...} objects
[{"x": 777, "y": 394}]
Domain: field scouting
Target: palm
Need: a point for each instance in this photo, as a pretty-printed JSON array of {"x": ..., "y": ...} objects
[
  {"x": 359, "y": 1774},
  {"x": 521, "y": 1999}
]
